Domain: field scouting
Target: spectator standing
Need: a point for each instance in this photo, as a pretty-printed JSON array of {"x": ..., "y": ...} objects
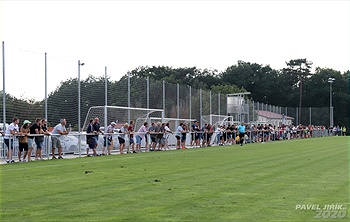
[
  {"x": 23, "y": 140},
  {"x": 108, "y": 139},
  {"x": 58, "y": 131},
  {"x": 159, "y": 130},
  {"x": 121, "y": 137},
  {"x": 167, "y": 135},
  {"x": 151, "y": 130},
  {"x": 184, "y": 134},
  {"x": 195, "y": 134},
  {"x": 90, "y": 138},
  {"x": 10, "y": 135},
  {"x": 131, "y": 136},
  {"x": 141, "y": 134},
  {"x": 44, "y": 131},
  {"x": 36, "y": 129},
  {"x": 178, "y": 135},
  {"x": 97, "y": 130}
]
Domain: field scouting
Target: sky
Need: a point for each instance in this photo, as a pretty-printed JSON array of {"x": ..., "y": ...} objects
[{"x": 122, "y": 35}]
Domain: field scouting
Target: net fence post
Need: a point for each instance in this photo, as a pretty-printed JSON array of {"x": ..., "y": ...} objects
[
  {"x": 79, "y": 131},
  {"x": 163, "y": 96},
  {"x": 147, "y": 92},
  {"x": 190, "y": 101},
  {"x": 219, "y": 104},
  {"x": 310, "y": 116},
  {"x": 178, "y": 100},
  {"x": 210, "y": 107},
  {"x": 200, "y": 107}
]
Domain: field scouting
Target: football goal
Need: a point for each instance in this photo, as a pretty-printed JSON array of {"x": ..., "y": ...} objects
[{"x": 120, "y": 114}]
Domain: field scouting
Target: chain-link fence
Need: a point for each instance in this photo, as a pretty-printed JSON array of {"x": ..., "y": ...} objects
[
  {"x": 177, "y": 101},
  {"x": 57, "y": 79}
]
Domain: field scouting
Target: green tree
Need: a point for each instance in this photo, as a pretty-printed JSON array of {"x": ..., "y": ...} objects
[{"x": 301, "y": 69}]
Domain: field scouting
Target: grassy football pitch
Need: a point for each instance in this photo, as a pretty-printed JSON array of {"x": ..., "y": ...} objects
[{"x": 277, "y": 181}]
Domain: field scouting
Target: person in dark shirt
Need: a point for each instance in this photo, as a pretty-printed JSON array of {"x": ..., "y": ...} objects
[
  {"x": 34, "y": 129},
  {"x": 90, "y": 138}
]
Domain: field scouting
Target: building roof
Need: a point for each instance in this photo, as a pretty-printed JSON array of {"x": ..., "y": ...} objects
[{"x": 272, "y": 115}]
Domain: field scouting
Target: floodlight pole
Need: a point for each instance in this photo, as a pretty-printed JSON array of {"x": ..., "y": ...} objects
[
  {"x": 163, "y": 99},
  {"x": 178, "y": 100},
  {"x": 147, "y": 92},
  {"x": 219, "y": 104},
  {"x": 105, "y": 116},
  {"x": 79, "y": 124},
  {"x": 210, "y": 119},
  {"x": 3, "y": 87},
  {"x": 129, "y": 97},
  {"x": 331, "y": 120}
]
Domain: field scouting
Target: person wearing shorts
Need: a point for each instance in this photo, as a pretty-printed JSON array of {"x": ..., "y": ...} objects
[
  {"x": 23, "y": 141},
  {"x": 12, "y": 130},
  {"x": 121, "y": 137},
  {"x": 178, "y": 135},
  {"x": 152, "y": 136},
  {"x": 39, "y": 140},
  {"x": 241, "y": 129},
  {"x": 141, "y": 133},
  {"x": 58, "y": 131},
  {"x": 108, "y": 139},
  {"x": 131, "y": 136},
  {"x": 159, "y": 130},
  {"x": 90, "y": 138},
  {"x": 36, "y": 129}
]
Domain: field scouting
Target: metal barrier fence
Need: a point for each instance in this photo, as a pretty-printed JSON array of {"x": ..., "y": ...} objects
[{"x": 70, "y": 142}]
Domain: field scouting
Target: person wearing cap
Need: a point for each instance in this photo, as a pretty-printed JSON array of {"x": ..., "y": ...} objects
[
  {"x": 108, "y": 142},
  {"x": 23, "y": 141}
]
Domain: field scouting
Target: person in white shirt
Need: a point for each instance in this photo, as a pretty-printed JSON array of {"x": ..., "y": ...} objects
[
  {"x": 108, "y": 139},
  {"x": 178, "y": 135},
  {"x": 10, "y": 134},
  {"x": 57, "y": 132},
  {"x": 141, "y": 134},
  {"x": 166, "y": 135},
  {"x": 121, "y": 137}
]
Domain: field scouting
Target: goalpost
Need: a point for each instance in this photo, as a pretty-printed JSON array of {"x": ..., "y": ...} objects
[
  {"x": 218, "y": 120},
  {"x": 173, "y": 124},
  {"x": 108, "y": 114}
]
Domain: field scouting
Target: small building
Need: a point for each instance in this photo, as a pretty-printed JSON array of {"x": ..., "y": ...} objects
[{"x": 274, "y": 118}]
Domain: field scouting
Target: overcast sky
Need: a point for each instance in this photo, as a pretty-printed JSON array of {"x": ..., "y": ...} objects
[{"x": 123, "y": 35}]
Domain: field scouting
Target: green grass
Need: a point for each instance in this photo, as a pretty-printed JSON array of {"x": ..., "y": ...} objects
[{"x": 257, "y": 182}]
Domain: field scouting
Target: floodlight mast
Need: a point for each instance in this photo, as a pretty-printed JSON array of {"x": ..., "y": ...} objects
[
  {"x": 331, "y": 118},
  {"x": 79, "y": 123}
]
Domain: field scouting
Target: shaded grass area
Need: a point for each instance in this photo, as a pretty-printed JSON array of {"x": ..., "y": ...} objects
[{"x": 256, "y": 182}]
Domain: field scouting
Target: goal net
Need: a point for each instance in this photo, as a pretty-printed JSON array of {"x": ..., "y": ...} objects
[
  {"x": 218, "y": 120},
  {"x": 173, "y": 122},
  {"x": 120, "y": 114}
]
